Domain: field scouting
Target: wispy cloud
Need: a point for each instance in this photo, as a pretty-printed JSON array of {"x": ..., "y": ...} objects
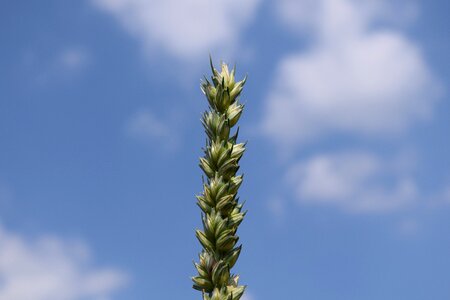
[
  {"x": 353, "y": 79},
  {"x": 277, "y": 207},
  {"x": 6, "y": 194},
  {"x": 446, "y": 195},
  {"x": 186, "y": 29},
  {"x": 440, "y": 198},
  {"x": 72, "y": 59},
  {"x": 147, "y": 127},
  {"x": 325, "y": 17},
  {"x": 408, "y": 227},
  {"x": 354, "y": 181},
  {"x": 49, "y": 268},
  {"x": 55, "y": 66},
  {"x": 247, "y": 296}
]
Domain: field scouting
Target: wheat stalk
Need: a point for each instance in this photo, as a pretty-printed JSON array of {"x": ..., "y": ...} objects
[{"x": 221, "y": 211}]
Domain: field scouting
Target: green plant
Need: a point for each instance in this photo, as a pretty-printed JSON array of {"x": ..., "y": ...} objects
[{"x": 221, "y": 211}]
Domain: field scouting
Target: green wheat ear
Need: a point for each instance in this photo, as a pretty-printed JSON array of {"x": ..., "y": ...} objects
[{"x": 221, "y": 211}]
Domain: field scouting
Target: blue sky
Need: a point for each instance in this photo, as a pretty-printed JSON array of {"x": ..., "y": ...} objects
[{"x": 347, "y": 176}]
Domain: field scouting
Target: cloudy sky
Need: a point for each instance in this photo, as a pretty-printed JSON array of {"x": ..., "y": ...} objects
[{"x": 347, "y": 173}]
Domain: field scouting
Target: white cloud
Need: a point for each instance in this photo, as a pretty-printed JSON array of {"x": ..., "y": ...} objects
[
  {"x": 355, "y": 181},
  {"x": 48, "y": 268},
  {"x": 186, "y": 29},
  {"x": 147, "y": 127},
  {"x": 354, "y": 79}
]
